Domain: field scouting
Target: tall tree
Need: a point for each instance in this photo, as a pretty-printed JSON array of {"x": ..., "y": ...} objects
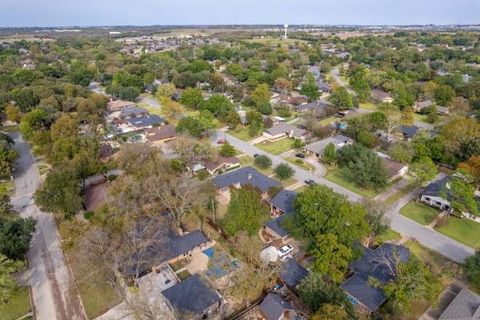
[{"x": 310, "y": 88}]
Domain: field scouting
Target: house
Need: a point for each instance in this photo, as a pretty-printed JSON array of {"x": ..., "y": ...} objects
[
  {"x": 316, "y": 148},
  {"x": 132, "y": 112},
  {"x": 282, "y": 130},
  {"x": 436, "y": 194},
  {"x": 283, "y": 203},
  {"x": 159, "y": 135},
  {"x": 274, "y": 307},
  {"x": 244, "y": 176},
  {"x": 221, "y": 164},
  {"x": 408, "y": 132},
  {"x": 322, "y": 86},
  {"x": 381, "y": 96},
  {"x": 394, "y": 169},
  {"x": 193, "y": 298},
  {"x": 145, "y": 122},
  {"x": 443, "y": 111},
  {"x": 420, "y": 105},
  {"x": 465, "y": 306},
  {"x": 379, "y": 264},
  {"x": 318, "y": 105},
  {"x": 292, "y": 273},
  {"x": 117, "y": 105},
  {"x": 384, "y": 136},
  {"x": 166, "y": 247}
]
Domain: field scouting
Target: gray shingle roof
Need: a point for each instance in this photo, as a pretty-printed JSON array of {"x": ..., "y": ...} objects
[
  {"x": 465, "y": 306},
  {"x": 286, "y": 128},
  {"x": 292, "y": 273},
  {"x": 132, "y": 111},
  {"x": 436, "y": 188},
  {"x": 315, "y": 105},
  {"x": 191, "y": 296},
  {"x": 285, "y": 201},
  {"x": 273, "y": 306},
  {"x": 318, "y": 146},
  {"x": 146, "y": 121},
  {"x": 409, "y": 131},
  {"x": 276, "y": 226},
  {"x": 244, "y": 176},
  {"x": 376, "y": 264}
]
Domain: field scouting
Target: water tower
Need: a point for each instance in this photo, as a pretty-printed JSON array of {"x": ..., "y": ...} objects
[{"x": 286, "y": 31}]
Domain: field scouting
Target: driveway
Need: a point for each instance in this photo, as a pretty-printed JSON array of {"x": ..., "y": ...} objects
[{"x": 53, "y": 291}]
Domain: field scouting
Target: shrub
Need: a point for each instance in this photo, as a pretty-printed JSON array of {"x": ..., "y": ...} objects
[
  {"x": 263, "y": 162},
  {"x": 88, "y": 215},
  {"x": 284, "y": 171}
]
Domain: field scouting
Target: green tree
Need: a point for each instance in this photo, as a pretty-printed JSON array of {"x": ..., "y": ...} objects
[
  {"x": 263, "y": 161},
  {"x": 261, "y": 94},
  {"x": 165, "y": 90},
  {"x": 284, "y": 171},
  {"x": 407, "y": 116},
  {"x": 413, "y": 281},
  {"x": 192, "y": 126},
  {"x": 403, "y": 96},
  {"x": 245, "y": 211},
  {"x": 471, "y": 267},
  {"x": 310, "y": 88},
  {"x": 15, "y": 237},
  {"x": 265, "y": 108},
  {"x": 331, "y": 258},
  {"x": 341, "y": 98},
  {"x": 192, "y": 98},
  {"x": 320, "y": 211},
  {"x": 219, "y": 106},
  {"x": 331, "y": 312},
  {"x": 227, "y": 150},
  {"x": 462, "y": 196},
  {"x": 7, "y": 280},
  {"x": 423, "y": 170},
  {"x": 60, "y": 193},
  {"x": 315, "y": 293},
  {"x": 443, "y": 94},
  {"x": 330, "y": 153}
]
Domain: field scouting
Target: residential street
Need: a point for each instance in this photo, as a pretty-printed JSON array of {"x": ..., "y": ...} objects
[
  {"x": 54, "y": 295},
  {"x": 444, "y": 245}
]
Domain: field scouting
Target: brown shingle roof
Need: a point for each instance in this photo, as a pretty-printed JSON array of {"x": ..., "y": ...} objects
[
  {"x": 160, "y": 133},
  {"x": 118, "y": 105},
  {"x": 393, "y": 167}
]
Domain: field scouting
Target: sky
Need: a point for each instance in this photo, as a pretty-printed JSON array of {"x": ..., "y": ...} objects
[{"x": 28, "y": 13}]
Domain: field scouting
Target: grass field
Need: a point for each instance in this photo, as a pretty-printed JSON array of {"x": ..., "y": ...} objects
[
  {"x": 341, "y": 177},
  {"x": 285, "y": 183},
  {"x": 241, "y": 133},
  {"x": 419, "y": 212},
  {"x": 462, "y": 230},
  {"x": 302, "y": 163},
  {"x": 368, "y": 106},
  {"x": 18, "y": 306},
  {"x": 276, "y": 147},
  {"x": 388, "y": 235}
]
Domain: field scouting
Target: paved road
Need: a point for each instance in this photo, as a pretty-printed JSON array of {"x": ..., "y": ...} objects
[
  {"x": 335, "y": 73},
  {"x": 54, "y": 294},
  {"x": 436, "y": 241},
  {"x": 300, "y": 174},
  {"x": 149, "y": 100}
]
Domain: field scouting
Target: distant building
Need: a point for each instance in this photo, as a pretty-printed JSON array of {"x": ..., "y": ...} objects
[
  {"x": 117, "y": 105},
  {"x": 283, "y": 129},
  {"x": 381, "y": 96},
  {"x": 161, "y": 134}
]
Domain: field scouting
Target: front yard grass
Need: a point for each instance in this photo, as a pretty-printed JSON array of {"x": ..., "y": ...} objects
[
  {"x": 287, "y": 182},
  {"x": 18, "y": 306},
  {"x": 340, "y": 176},
  {"x": 388, "y": 235},
  {"x": 301, "y": 163},
  {"x": 241, "y": 133},
  {"x": 399, "y": 194},
  {"x": 246, "y": 161},
  {"x": 368, "y": 106},
  {"x": 276, "y": 147},
  {"x": 462, "y": 230},
  {"x": 419, "y": 212}
]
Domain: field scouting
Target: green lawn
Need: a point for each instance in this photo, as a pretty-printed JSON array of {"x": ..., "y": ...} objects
[
  {"x": 241, "y": 133},
  {"x": 276, "y": 147},
  {"x": 287, "y": 182},
  {"x": 399, "y": 194},
  {"x": 18, "y": 306},
  {"x": 246, "y": 161},
  {"x": 9, "y": 186},
  {"x": 462, "y": 230},
  {"x": 340, "y": 177},
  {"x": 388, "y": 235},
  {"x": 301, "y": 188},
  {"x": 151, "y": 109},
  {"x": 327, "y": 121},
  {"x": 368, "y": 106},
  {"x": 419, "y": 212},
  {"x": 301, "y": 163}
]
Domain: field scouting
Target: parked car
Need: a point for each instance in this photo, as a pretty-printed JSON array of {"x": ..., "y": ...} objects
[
  {"x": 310, "y": 182},
  {"x": 221, "y": 142},
  {"x": 286, "y": 258},
  {"x": 300, "y": 155},
  {"x": 285, "y": 250}
]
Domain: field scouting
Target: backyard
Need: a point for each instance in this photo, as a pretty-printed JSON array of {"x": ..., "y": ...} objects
[
  {"x": 18, "y": 306},
  {"x": 276, "y": 147},
  {"x": 462, "y": 230},
  {"x": 419, "y": 212}
]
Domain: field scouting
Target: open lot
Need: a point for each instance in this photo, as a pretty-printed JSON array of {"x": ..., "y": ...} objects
[
  {"x": 462, "y": 230},
  {"x": 18, "y": 306},
  {"x": 276, "y": 147},
  {"x": 419, "y": 212}
]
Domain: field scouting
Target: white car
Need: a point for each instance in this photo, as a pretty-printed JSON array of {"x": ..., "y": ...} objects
[{"x": 286, "y": 249}]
